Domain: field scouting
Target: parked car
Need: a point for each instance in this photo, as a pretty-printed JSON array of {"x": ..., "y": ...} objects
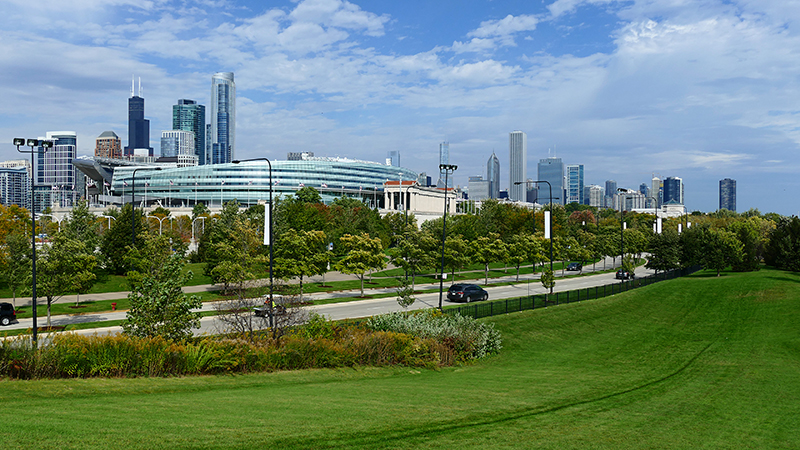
[
  {"x": 7, "y": 314},
  {"x": 575, "y": 267},
  {"x": 623, "y": 274},
  {"x": 466, "y": 293}
]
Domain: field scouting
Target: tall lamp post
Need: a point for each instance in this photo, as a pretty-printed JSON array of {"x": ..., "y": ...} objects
[
  {"x": 550, "y": 221},
  {"x": 33, "y": 143},
  {"x": 448, "y": 169},
  {"x": 267, "y": 211},
  {"x": 133, "y": 200}
]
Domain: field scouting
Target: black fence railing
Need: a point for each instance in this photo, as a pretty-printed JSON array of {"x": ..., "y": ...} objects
[{"x": 505, "y": 306}]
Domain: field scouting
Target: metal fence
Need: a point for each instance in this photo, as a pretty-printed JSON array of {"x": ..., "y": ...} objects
[{"x": 493, "y": 308}]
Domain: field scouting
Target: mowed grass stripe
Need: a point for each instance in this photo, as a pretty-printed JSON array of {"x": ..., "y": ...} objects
[{"x": 699, "y": 362}]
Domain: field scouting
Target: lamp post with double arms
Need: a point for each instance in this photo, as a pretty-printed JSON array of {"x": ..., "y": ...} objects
[
  {"x": 267, "y": 211},
  {"x": 447, "y": 169},
  {"x": 33, "y": 143},
  {"x": 550, "y": 221}
]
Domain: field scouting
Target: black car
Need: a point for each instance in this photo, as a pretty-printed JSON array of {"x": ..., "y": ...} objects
[
  {"x": 466, "y": 293},
  {"x": 623, "y": 274},
  {"x": 7, "y": 313},
  {"x": 575, "y": 267}
]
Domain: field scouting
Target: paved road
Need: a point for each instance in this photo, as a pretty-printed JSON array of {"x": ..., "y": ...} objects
[{"x": 527, "y": 285}]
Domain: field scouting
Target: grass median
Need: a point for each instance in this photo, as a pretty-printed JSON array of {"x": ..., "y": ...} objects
[{"x": 694, "y": 362}]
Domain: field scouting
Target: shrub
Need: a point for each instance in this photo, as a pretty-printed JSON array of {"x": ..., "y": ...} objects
[{"x": 468, "y": 338}]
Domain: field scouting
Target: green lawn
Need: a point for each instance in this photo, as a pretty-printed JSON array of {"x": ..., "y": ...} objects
[{"x": 697, "y": 362}]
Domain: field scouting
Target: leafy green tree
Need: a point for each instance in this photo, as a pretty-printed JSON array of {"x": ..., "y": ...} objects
[
  {"x": 308, "y": 194},
  {"x": 158, "y": 305},
  {"x": 456, "y": 254},
  {"x": 548, "y": 279},
  {"x": 361, "y": 253},
  {"x": 398, "y": 224},
  {"x": 238, "y": 258},
  {"x": 301, "y": 254},
  {"x": 16, "y": 263},
  {"x": 83, "y": 226},
  {"x": 664, "y": 251},
  {"x": 517, "y": 250},
  {"x": 413, "y": 255},
  {"x": 721, "y": 249},
  {"x": 748, "y": 233},
  {"x": 199, "y": 210},
  {"x": 486, "y": 250},
  {"x": 405, "y": 293},
  {"x": 635, "y": 242},
  {"x": 116, "y": 241},
  {"x": 783, "y": 249},
  {"x": 63, "y": 267}
]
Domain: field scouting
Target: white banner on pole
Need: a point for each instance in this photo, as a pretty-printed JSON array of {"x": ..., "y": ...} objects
[
  {"x": 658, "y": 222},
  {"x": 547, "y": 224},
  {"x": 267, "y": 209},
  {"x": 680, "y": 228}
]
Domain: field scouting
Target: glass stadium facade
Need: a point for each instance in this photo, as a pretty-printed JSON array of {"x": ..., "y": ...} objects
[{"x": 247, "y": 182}]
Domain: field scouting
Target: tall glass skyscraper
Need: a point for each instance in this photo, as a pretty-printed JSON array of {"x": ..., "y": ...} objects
[
  {"x": 187, "y": 115},
  {"x": 517, "y": 165},
  {"x": 551, "y": 169},
  {"x": 673, "y": 190},
  {"x": 727, "y": 194},
  {"x": 493, "y": 175},
  {"x": 575, "y": 183},
  {"x": 223, "y": 118},
  {"x": 55, "y": 169},
  {"x": 444, "y": 158},
  {"x": 138, "y": 126}
]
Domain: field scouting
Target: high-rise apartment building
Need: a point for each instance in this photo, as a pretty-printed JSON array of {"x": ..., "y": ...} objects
[
  {"x": 727, "y": 194},
  {"x": 108, "y": 145},
  {"x": 551, "y": 170},
  {"x": 517, "y": 165},
  {"x": 223, "y": 118},
  {"x": 575, "y": 183},
  {"x": 673, "y": 191},
  {"x": 187, "y": 115},
  {"x": 15, "y": 186},
  {"x": 55, "y": 169},
  {"x": 444, "y": 158},
  {"x": 657, "y": 190},
  {"x": 138, "y": 126},
  {"x": 179, "y": 144},
  {"x": 493, "y": 176},
  {"x": 593, "y": 195}
]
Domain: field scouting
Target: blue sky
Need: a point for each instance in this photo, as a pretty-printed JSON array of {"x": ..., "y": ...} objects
[{"x": 701, "y": 90}]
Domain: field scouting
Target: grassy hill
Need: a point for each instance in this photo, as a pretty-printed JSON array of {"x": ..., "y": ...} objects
[{"x": 698, "y": 362}]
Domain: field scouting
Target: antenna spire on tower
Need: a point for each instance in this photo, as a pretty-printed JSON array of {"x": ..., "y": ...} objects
[
  {"x": 140, "y": 86},
  {"x": 133, "y": 84}
]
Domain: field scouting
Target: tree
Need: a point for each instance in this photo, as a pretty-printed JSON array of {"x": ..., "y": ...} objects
[
  {"x": 362, "y": 253},
  {"x": 64, "y": 266},
  {"x": 721, "y": 249},
  {"x": 82, "y": 226},
  {"x": 486, "y": 250},
  {"x": 748, "y": 233},
  {"x": 16, "y": 263},
  {"x": 456, "y": 253},
  {"x": 548, "y": 279},
  {"x": 238, "y": 258},
  {"x": 517, "y": 251},
  {"x": 301, "y": 254},
  {"x": 664, "y": 251},
  {"x": 308, "y": 194},
  {"x": 405, "y": 293},
  {"x": 116, "y": 242},
  {"x": 412, "y": 254},
  {"x": 158, "y": 305},
  {"x": 783, "y": 249}
]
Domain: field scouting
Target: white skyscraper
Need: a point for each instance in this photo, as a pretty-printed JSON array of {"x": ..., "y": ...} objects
[
  {"x": 517, "y": 164},
  {"x": 223, "y": 118}
]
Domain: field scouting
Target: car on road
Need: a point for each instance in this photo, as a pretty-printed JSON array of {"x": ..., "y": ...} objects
[
  {"x": 7, "y": 314},
  {"x": 623, "y": 274},
  {"x": 575, "y": 267},
  {"x": 466, "y": 293}
]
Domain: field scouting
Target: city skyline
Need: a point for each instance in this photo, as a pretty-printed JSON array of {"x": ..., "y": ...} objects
[{"x": 699, "y": 90}]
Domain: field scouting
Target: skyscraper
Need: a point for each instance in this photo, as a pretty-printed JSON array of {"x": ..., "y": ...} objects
[
  {"x": 187, "y": 115},
  {"x": 138, "y": 126},
  {"x": 223, "y": 118},
  {"x": 552, "y": 170},
  {"x": 493, "y": 176},
  {"x": 575, "y": 183},
  {"x": 611, "y": 191},
  {"x": 673, "y": 190},
  {"x": 15, "y": 186},
  {"x": 444, "y": 158},
  {"x": 179, "y": 144},
  {"x": 55, "y": 167},
  {"x": 517, "y": 165},
  {"x": 393, "y": 158},
  {"x": 656, "y": 190},
  {"x": 108, "y": 145},
  {"x": 727, "y": 194}
]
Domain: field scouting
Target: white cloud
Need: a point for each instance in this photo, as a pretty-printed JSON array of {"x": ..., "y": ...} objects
[
  {"x": 561, "y": 7},
  {"x": 495, "y": 33}
]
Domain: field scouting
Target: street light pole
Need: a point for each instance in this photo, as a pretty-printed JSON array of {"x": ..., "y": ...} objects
[
  {"x": 550, "y": 225},
  {"x": 133, "y": 202},
  {"x": 32, "y": 143},
  {"x": 269, "y": 234},
  {"x": 447, "y": 168}
]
